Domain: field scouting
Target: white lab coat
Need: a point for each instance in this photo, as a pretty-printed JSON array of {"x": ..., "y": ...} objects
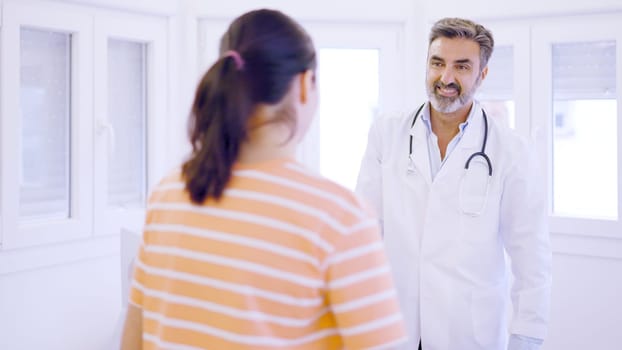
[{"x": 450, "y": 268}]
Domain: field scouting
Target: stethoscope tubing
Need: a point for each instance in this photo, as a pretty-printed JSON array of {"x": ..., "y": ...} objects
[{"x": 482, "y": 153}]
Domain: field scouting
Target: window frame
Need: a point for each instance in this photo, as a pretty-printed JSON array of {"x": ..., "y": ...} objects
[
  {"x": 47, "y": 243},
  {"x": 152, "y": 33},
  {"x": 572, "y": 30},
  {"x": 517, "y": 36},
  {"x": 386, "y": 37},
  {"x": 16, "y": 233}
]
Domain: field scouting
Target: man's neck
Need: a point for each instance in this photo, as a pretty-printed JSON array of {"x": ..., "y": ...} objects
[
  {"x": 447, "y": 125},
  {"x": 449, "y": 122}
]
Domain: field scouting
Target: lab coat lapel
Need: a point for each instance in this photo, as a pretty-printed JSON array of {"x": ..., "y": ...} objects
[
  {"x": 420, "y": 150},
  {"x": 471, "y": 142},
  {"x": 446, "y": 189},
  {"x": 474, "y": 133}
]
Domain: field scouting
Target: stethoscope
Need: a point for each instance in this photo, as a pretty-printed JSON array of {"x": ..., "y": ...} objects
[
  {"x": 481, "y": 153},
  {"x": 474, "y": 196}
]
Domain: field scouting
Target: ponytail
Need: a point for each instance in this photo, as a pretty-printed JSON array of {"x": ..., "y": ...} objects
[
  {"x": 262, "y": 51},
  {"x": 217, "y": 128}
]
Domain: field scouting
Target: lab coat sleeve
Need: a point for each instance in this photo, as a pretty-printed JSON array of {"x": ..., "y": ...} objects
[
  {"x": 369, "y": 182},
  {"x": 519, "y": 342},
  {"x": 524, "y": 228}
]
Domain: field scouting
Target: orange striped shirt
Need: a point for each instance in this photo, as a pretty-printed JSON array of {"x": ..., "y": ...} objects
[{"x": 284, "y": 260}]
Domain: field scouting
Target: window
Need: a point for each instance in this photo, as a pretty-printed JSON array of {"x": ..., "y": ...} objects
[
  {"x": 46, "y": 152},
  {"x": 45, "y": 105},
  {"x": 497, "y": 90},
  {"x": 576, "y": 100},
  {"x": 505, "y": 93},
  {"x": 348, "y": 81},
  {"x": 127, "y": 117},
  {"x": 585, "y": 171},
  {"x": 358, "y": 80},
  {"x": 83, "y": 99},
  {"x": 130, "y": 100}
]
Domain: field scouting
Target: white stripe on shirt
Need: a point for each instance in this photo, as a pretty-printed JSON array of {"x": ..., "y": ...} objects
[
  {"x": 237, "y": 264},
  {"x": 236, "y": 239},
  {"x": 242, "y": 289},
  {"x": 245, "y": 217}
]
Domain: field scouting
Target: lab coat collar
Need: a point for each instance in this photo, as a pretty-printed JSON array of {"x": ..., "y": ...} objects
[
  {"x": 474, "y": 129},
  {"x": 470, "y": 142},
  {"x": 469, "y": 139},
  {"x": 419, "y": 133}
]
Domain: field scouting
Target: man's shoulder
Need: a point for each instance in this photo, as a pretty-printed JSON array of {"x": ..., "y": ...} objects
[
  {"x": 510, "y": 143},
  {"x": 391, "y": 120}
]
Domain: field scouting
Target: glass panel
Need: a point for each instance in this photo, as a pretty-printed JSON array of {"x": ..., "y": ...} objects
[
  {"x": 45, "y": 103},
  {"x": 585, "y": 169},
  {"x": 127, "y": 115},
  {"x": 349, "y": 81},
  {"x": 501, "y": 110},
  {"x": 497, "y": 91}
]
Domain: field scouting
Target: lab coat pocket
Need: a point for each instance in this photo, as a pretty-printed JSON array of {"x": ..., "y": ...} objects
[
  {"x": 474, "y": 189},
  {"x": 488, "y": 319}
]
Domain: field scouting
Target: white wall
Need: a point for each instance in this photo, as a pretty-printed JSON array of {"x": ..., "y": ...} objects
[
  {"x": 484, "y": 9},
  {"x": 586, "y": 311},
  {"x": 66, "y": 307}
]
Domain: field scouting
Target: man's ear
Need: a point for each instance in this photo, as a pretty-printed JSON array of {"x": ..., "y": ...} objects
[{"x": 484, "y": 73}]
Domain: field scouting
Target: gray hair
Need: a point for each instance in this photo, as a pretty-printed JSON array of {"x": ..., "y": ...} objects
[{"x": 465, "y": 29}]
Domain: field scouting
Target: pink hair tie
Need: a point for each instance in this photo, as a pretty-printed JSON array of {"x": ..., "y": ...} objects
[{"x": 239, "y": 62}]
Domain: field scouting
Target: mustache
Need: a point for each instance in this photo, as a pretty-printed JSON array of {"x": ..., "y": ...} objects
[{"x": 441, "y": 85}]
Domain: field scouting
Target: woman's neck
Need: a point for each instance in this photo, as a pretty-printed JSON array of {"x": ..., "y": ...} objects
[
  {"x": 267, "y": 142},
  {"x": 250, "y": 153}
]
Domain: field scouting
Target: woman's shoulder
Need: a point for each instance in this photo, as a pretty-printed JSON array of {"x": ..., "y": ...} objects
[{"x": 333, "y": 197}]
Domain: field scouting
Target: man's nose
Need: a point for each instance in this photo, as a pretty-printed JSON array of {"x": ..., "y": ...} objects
[{"x": 447, "y": 76}]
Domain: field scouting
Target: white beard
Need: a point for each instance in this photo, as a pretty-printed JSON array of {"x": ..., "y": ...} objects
[
  {"x": 446, "y": 104},
  {"x": 451, "y": 104}
]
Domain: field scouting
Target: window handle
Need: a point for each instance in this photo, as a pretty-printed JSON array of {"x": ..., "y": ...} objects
[{"x": 106, "y": 127}]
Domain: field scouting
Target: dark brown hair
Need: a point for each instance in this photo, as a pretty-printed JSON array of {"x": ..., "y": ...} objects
[
  {"x": 465, "y": 29},
  {"x": 272, "y": 50}
]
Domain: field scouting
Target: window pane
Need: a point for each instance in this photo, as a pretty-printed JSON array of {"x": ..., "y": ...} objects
[
  {"x": 349, "y": 81},
  {"x": 501, "y": 110},
  {"x": 585, "y": 169},
  {"x": 497, "y": 91},
  {"x": 127, "y": 115},
  {"x": 45, "y": 103}
]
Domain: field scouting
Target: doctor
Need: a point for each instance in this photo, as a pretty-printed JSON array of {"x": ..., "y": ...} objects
[{"x": 455, "y": 191}]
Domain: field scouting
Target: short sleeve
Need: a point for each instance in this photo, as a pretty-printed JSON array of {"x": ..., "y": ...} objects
[
  {"x": 138, "y": 279},
  {"x": 361, "y": 291}
]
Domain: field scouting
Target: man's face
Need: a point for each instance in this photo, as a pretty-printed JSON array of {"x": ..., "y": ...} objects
[{"x": 453, "y": 73}]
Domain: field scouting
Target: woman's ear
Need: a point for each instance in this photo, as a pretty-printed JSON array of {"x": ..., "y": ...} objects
[{"x": 307, "y": 84}]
